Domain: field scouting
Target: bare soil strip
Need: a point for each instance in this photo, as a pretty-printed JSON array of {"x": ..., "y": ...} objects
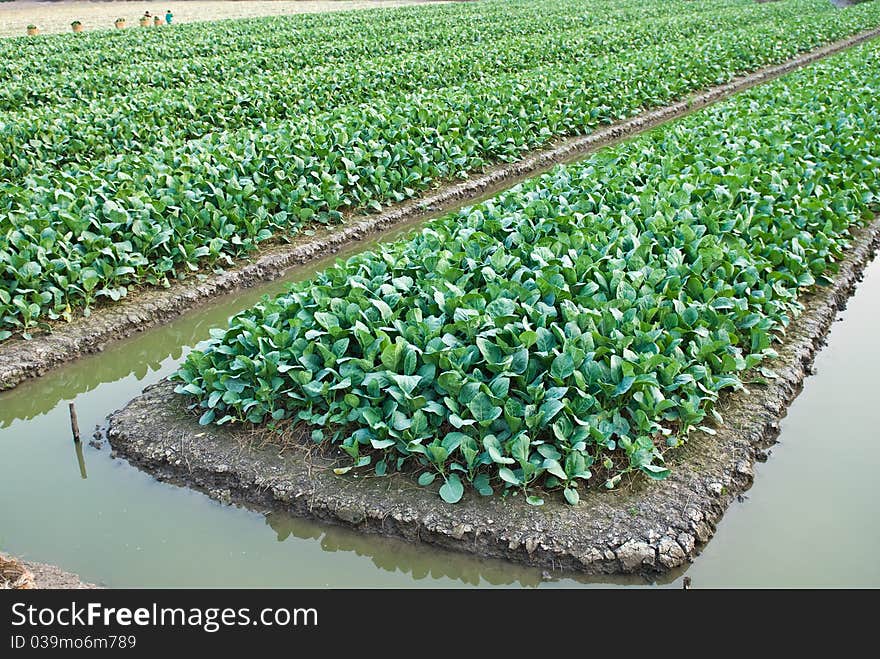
[
  {"x": 20, "y": 360},
  {"x": 645, "y": 527},
  {"x": 55, "y": 17}
]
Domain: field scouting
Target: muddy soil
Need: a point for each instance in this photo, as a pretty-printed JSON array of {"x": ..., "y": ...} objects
[
  {"x": 20, "y": 360},
  {"x": 50, "y": 577},
  {"x": 32, "y": 575},
  {"x": 647, "y": 527}
]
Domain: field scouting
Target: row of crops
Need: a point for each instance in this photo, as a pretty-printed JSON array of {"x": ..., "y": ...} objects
[
  {"x": 571, "y": 329},
  {"x": 251, "y": 88},
  {"x": 134, "y": 159}
]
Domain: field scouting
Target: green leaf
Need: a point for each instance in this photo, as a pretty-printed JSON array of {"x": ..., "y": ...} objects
[
  {"x": 624, "y": 386},
  {"x": 481, "y": 484},
  {"x": 550, "y": 409},
  {"x": 491, "y": 352},
  {"x": 690, "y": 316},
  {"x": 519, "y": 361},
  {"x": 768, "y": 373},
  {"x": 562, "y": 367},
  {"x": 427, "y": 478},
  {"x": 407, "y": 383},
  {"x": 450, "y": 382},
  {"x": 326, "y": 320},
  {"x": 528, "y": 338},
  {"x": 500, "y": 308},
  {"x": 483, "y": 410},
  {"x": 437, "y": 454},
  {"x": 493, "y": 447},
  {"x": 552, "y": 466},
  {"x": 194, "y": 389},
  {"x": 520, "y": 448},
  {"x": 508, "y": 476},
  {"x": 655, "y": 472},
  {"x": 452, "y": 490},
  {"x": 545, "y": 341},
  {"x": 384, "y": 309}
]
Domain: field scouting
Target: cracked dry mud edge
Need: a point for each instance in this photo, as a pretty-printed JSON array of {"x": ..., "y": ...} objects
[
  {"x": 46, "y": 577},
  {"x": 145, "y": 308},
  {"x": 51, "y": 577},
  {"x": 648, "y": 528}
]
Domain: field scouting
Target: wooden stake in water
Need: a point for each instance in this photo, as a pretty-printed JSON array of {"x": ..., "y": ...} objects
[
  {"x": 78, "y": 447},
  {"x": 74, "y": 425}
]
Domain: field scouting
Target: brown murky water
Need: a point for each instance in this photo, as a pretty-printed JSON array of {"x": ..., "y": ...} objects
[{"x": 809, "y": 520}]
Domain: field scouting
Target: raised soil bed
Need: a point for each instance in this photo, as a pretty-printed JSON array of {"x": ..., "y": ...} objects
[{"x": 643, "y": 527}]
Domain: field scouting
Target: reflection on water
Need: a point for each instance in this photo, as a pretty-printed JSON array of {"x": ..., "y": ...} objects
[
  {"x": 809, "y": 519},
  {"x": 77, "y": 447},
  {"x": 138, "y": 357},
  {"x": 421, "y": 562},
  {"x": 395, "y": 556}
]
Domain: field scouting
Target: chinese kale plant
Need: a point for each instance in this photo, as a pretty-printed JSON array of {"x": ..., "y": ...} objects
[
  {"x": 124, "y": 163},
  {"x": 580, "y": 323}
]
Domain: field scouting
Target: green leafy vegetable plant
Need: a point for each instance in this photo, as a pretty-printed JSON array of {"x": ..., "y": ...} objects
[
  {"x": 580, "y": 324},
  {"x": 120, "y": 166}
]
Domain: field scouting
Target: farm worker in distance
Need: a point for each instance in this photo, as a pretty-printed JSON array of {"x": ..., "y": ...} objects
[{"x": 168, "y": 17}]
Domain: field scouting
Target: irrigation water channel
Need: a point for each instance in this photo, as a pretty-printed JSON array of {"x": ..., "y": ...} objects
[{"x": 809, "y": 520}]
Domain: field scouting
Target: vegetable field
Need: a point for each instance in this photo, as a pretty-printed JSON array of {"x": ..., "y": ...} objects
[
  {"x": 16, "y": 14},
  {"x": 133, "y": 158},
  {"x": 574, "y": 328}
]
